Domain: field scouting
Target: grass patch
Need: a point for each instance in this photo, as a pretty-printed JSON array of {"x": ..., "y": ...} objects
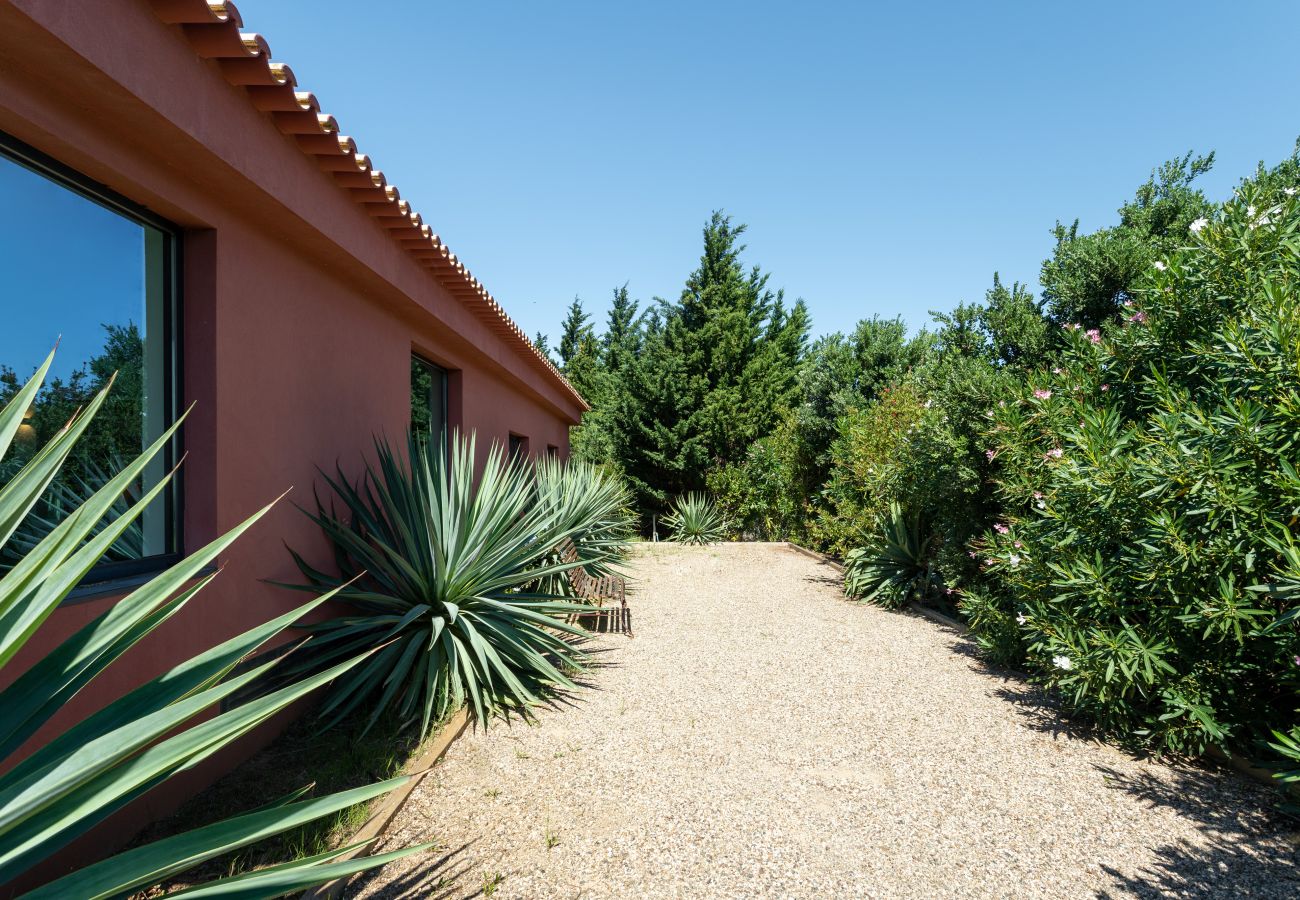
[{"x": 333, "y": 760}]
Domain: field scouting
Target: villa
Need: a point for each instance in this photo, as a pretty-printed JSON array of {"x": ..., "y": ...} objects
[{"x": 179, "y": 210}]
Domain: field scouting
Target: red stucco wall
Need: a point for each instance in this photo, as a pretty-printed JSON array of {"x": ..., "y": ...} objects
[{"x": 300, "y": 312}]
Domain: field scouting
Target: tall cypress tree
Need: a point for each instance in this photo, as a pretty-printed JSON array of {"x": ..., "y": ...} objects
[
  {"x": 576, "y": 329},
  {"x": 715, "y": 371}
]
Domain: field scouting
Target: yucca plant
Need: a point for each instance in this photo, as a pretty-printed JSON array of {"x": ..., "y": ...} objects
[
  {"x": 695, "y": 519},
  {"x": 595, "y": 505},
  {"x": 446, "y": 577},
  {"x": 892, "y": 569},
  {"x": 112, "y": 757}
]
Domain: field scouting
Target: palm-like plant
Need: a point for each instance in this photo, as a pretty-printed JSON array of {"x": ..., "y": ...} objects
[
  {"x": 694, "y": 519},
  {"x": 892, "y": 569},
  {"x": 105, "y": 761},
  {"x": 446, "y": 577},
  {"x": 595, "y": 505}
]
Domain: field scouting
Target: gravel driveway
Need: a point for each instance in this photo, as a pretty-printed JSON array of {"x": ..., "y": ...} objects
[{"x": 762, "y": 737}]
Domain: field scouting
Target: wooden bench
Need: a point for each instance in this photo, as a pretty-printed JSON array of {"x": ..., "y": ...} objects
[{"x": 606, "y": 589}]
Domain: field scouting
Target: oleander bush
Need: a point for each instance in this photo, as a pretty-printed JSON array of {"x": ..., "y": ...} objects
[
  {"x": 695, "y": 519},
  {"x": 108, "y": 759},
  {"x": 450, "y": 582},
  {"x": 1150, "y": 496}
]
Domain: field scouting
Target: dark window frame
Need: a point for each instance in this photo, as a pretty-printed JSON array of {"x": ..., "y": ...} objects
[
  {"x": 420, "y": 359},
  {"x": 519, "y": 446},
  {"x": 110, "y": 578}
]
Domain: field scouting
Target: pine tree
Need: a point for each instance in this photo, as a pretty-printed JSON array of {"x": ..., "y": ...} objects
[
  {"x": 622, "y": 338},
  {"x": 714, "y": 373},
  {"x": 543, "y": 345},
  {"x": 576, "y": 329}
]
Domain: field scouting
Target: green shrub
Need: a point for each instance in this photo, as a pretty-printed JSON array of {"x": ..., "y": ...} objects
[
  {"x": 167, "y": 725},
  {"x": 866, "y": 474},
  {"x": 441, "y": 575},
  {"x": 694, "y": 519},
  {"x": 763, "y": 497},
  {"x": 1150, "y": 486}
]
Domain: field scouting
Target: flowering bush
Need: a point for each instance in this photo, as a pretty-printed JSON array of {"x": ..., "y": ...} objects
[{"x": 1151, "y": 492}]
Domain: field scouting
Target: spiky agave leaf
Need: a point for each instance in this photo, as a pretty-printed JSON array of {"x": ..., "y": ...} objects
[
  {"x": 595, "y": 502},
  {"x": 891, "y": 569},
  {"x": 447, "y": 573},
  {"x": 114, "y": 756},
  {"x": 694, "y": 519}
]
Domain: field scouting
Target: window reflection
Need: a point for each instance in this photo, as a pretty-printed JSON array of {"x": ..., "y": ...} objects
[
  {"x": 96, "y": 283},
  {"x": 428, "y": 398}
]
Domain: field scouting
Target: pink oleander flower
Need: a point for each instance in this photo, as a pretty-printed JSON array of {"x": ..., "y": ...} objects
[
  {"x": 988, "y": 562},
  {"x": 1071, "y": 326},
  {"x": 1054, "y": 453},
  {"x": 1000, "y": 528},
  {"x": 1105, "y": 387},
  {"x": 972, "y": 554},
  {"x": 1296, "y": 660},
  {"x": 1126, "y": 304},
  {"x": 1093, "y": 335},
  {"x": 990, "y": 455},
  {"x": 1038, "y": 495},
  {"x": 1138, "y": 317},
  {"x": 1042, "y": 394},
  {"x": 1017, "y": 545}
]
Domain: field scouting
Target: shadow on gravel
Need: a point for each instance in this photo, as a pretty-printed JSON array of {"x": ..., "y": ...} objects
[
  {"x": 1248, "y": 850},
  {"x": 417, "y": 882}
]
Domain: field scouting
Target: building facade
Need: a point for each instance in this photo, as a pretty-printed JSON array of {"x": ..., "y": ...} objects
[{"x": 177, "y": 209}]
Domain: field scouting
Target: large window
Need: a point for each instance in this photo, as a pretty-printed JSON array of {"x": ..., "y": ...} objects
[
  {"x": 428, "y": 398},
  {"x": 82, "y": 269}
]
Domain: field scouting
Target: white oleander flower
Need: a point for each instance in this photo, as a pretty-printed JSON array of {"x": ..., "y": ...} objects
[
  {"x": 1020, "y": 618},
  {"x": 1062, "y": 662},
  {"x": 1290, "y": 192},
  {"x": 1160, "y": 266},
  {"x": 1199, "y": 224}
]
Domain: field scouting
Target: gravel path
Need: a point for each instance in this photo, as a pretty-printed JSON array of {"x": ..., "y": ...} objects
[{"x": 762, "y": 737}]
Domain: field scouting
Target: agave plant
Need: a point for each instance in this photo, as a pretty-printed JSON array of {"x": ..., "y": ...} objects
[
  {"x": 694, "y": 519},
  {"x": 892, "y": 569},
  {"x": 446, "y": 577},
  {"x": 100, "y": 764},
  {"x": 595, "y": 505}
]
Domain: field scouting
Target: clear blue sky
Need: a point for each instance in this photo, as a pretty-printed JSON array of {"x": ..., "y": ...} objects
[{"x": 887, "y": 157}]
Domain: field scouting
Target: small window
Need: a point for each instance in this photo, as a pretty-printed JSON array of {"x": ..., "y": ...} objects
[
  {"x": 518, "y": 445},
  {"x": 552, "y": 451},
  {"x": 87, "y": 270},
  {"x": 428, "y": 398}
]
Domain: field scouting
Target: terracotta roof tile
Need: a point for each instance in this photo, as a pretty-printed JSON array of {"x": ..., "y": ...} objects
[{"x": 214, "y": 30}]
